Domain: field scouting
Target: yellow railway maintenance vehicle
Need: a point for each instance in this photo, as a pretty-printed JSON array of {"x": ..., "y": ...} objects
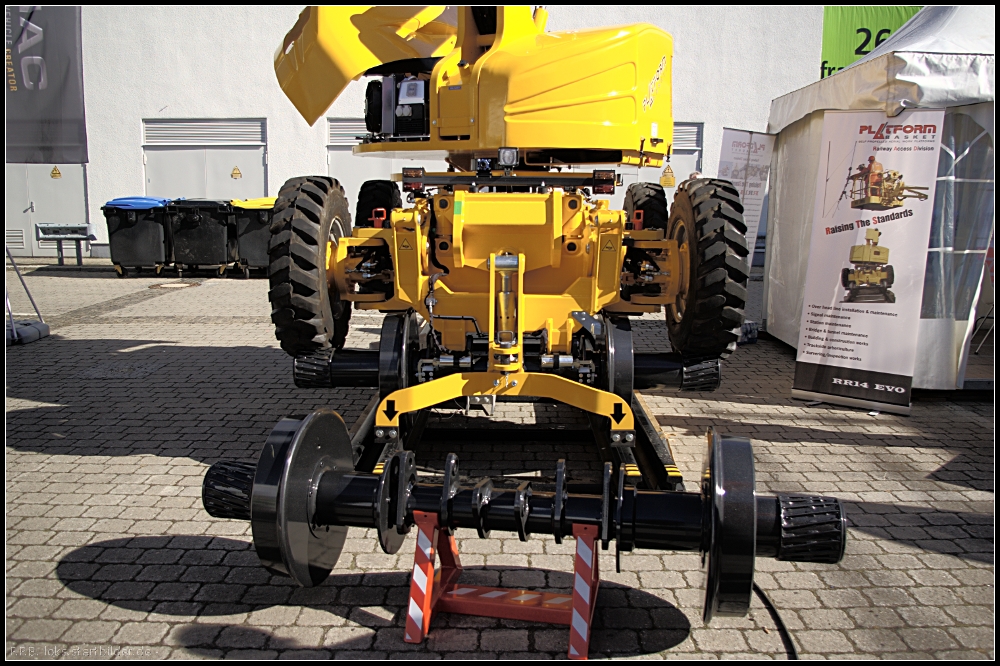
[
  {"x": 872, "y": 275},
  {"x": 507, "y": 278}
]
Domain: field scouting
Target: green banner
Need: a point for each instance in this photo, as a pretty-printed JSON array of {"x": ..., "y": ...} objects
[{"x": 851, "y": 33}]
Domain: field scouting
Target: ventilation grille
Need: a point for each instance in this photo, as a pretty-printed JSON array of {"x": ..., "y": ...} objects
[
  {"x": 14, "y": 238},
  {"x": 688, "y": 136},
  {"x": 204, "y": 132},
  {"x": 345, "y": 131}
]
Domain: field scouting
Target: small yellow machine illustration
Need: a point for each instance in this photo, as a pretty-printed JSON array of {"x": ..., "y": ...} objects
[
  {"x": 872, "y": 275},
  {"x": 874, "y": 188}
]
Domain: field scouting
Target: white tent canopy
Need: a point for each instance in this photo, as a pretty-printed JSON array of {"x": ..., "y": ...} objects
[{"x": 942, "y": 58}]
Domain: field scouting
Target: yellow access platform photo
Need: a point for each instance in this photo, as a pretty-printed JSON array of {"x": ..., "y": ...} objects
[{"x": 507, "y": 277}]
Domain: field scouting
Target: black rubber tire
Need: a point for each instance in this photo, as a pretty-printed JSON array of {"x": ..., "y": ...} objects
[
  {"x": 890, "y": 276},
  {"x": 706, "y": 319},
  {"x": 308, "y": 314},
  {"x": 376, "y": 194},
  {"x": 651, "y": 200},
  {"x": 845, "y": 277}
]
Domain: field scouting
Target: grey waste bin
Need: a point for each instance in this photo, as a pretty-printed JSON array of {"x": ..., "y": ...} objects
[
  {"x": 203, "y": 233},
  {"x": 253, "y": 231}
]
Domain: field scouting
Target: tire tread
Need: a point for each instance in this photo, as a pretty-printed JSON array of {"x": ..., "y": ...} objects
[
  {"x": 720, "y": 274},
  {"x": 305, "y": 212}
]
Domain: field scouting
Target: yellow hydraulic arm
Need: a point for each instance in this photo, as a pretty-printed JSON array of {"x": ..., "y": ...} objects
[{"x": 328, "y": 47}]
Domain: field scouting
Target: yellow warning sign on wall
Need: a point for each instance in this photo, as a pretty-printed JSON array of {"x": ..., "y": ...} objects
[
  {"x": 667, "y": 178},
  {"x": 236, "y": 173},
  {"x": 55, "y": 173}
]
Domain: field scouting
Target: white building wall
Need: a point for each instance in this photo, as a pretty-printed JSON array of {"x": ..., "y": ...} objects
[
  {"x": 189, "y": 62},
  {"x": 216, "y": 62}
]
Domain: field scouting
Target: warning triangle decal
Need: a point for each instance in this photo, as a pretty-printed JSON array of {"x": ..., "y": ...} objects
[
  {"x": 608, "y": 246},
  {"x": 405, "y": 245}
]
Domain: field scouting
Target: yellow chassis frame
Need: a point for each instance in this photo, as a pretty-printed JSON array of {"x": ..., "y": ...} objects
[{"x": 526, "y": 384}]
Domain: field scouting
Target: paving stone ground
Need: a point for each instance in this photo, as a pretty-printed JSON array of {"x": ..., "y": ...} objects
[{"x": 113, "y": 420}]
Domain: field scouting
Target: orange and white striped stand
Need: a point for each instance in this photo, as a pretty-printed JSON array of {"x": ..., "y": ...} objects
[{"x": 430, "y": 592}]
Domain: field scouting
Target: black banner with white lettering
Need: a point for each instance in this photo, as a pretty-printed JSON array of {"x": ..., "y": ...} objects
[
  {"x": 864, "y": 385},
  {"x": 46, "y": 122}
]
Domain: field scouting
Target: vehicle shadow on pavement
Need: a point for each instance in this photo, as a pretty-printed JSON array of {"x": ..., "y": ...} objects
[
  {"x": 218, "y": 596},
  {"x": 971, "y": 466},
  {"x": 152, "y": 397},
  {"x": 71, "y": 271},
  {"x": 157, "y": 398}
]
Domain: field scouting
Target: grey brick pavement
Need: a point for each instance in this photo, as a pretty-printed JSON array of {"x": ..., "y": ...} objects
[{"x": 112, "y": 421}]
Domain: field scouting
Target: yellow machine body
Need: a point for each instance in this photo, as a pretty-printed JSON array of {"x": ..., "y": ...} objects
[
  {"x": 512, "y": 262},
  {"x": 569, "y": 255},
  {"x": 870, "y": 262},
  {"x": 570, "y": 260},
  {"x": 869, "y": 254},
  {"x": 606, "y": 91},
  {"x": 867, "y": 275}
]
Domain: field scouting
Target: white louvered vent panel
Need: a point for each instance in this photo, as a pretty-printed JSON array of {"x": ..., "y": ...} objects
[
  {"x": 14, "y": 238},
  {"x": 204, "y": 132},
  {"x": 345, "y": 131},
  {"x": 688, "y": 136}
]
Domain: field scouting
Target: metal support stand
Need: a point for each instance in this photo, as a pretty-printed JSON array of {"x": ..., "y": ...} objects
[
  {"x": 430, "y": 593},
  {"x": 62, "y": 257}
]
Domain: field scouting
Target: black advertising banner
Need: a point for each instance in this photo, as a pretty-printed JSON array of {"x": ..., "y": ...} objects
[
  {"x": 867, "y": 258},
  {"x": 46, "y": 123}
]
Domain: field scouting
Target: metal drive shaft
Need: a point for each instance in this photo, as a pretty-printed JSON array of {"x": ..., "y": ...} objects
[
  {"x": 304, "y": 493},
  {"x": 805, "y": 529}
]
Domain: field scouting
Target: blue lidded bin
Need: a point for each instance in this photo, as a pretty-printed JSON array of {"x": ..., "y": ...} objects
[{"x": 138, "y": 233}]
